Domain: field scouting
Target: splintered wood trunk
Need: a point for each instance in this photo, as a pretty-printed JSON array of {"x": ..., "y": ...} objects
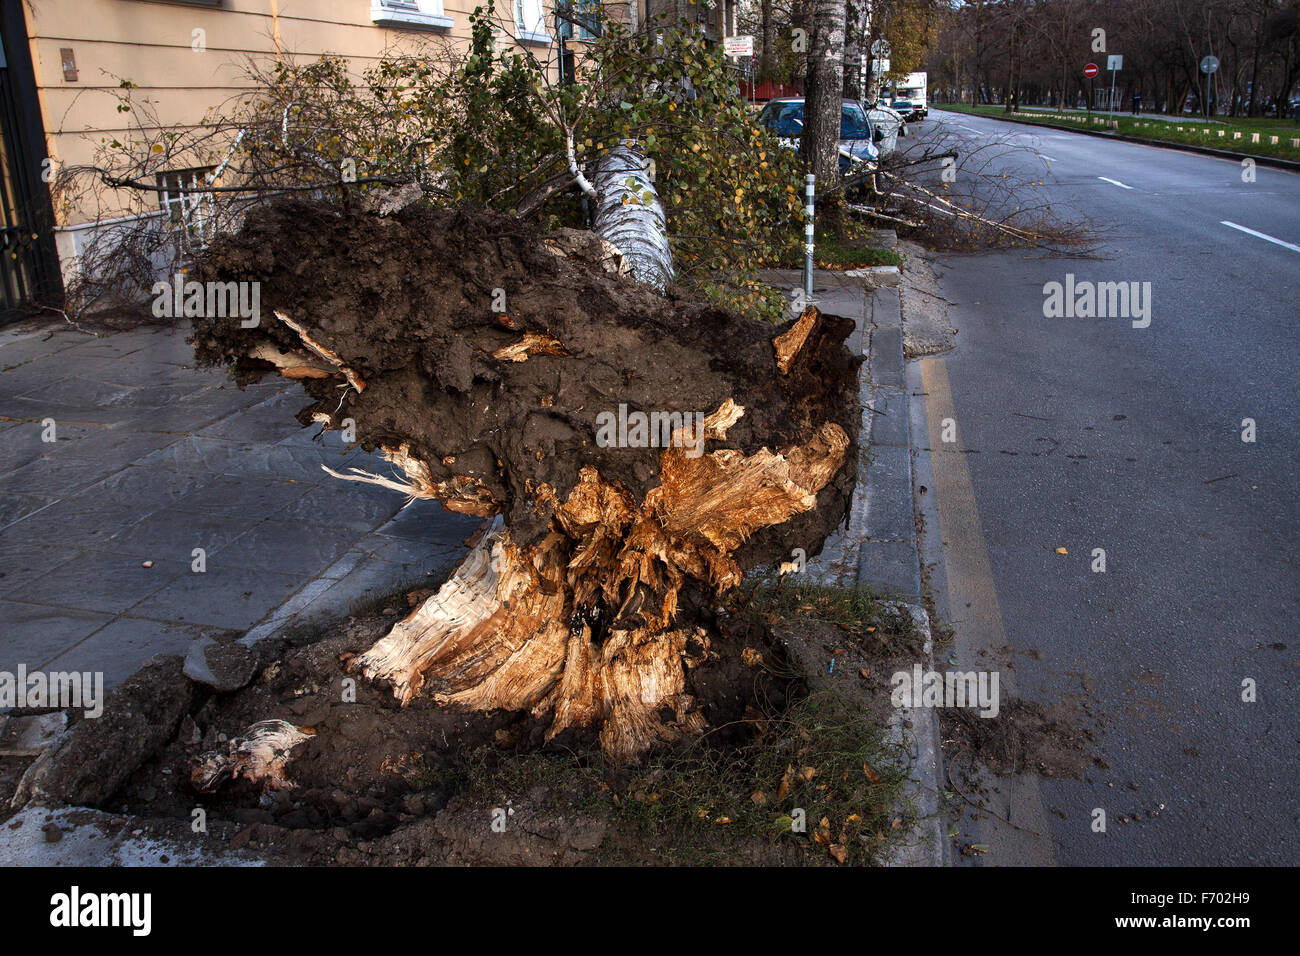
[{"x": 632, "y": 453}]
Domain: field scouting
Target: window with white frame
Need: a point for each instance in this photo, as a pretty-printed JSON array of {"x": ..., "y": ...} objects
[
  {"x": 586, "y": 12},
  {"x": 530, "y": 21},
  {"x": 190, "y": 207},
  {"x": 410, "y": 14}
]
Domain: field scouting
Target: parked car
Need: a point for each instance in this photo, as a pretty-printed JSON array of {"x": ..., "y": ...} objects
[
  {"x": 907, "y": 108},
  {"x": 887, "y": 125},
  {"x": 784, "y": 117}
]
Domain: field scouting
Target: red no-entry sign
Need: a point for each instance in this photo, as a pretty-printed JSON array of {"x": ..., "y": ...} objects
[{"x": 1090, "y": 70}]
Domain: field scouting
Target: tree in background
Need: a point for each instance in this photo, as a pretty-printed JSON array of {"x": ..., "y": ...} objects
[{"x": 819, "y": 143}]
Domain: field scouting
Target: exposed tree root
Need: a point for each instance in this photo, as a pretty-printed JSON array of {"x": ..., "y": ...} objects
[
  {"x": 260, "y": 756},
  {"x": 581, "y": 605}
]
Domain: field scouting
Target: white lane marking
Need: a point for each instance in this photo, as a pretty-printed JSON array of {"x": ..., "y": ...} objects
[
  {"x": 1259, "y": 235},
  {"x": 970, "y": 128},
  {"x": 1050, "y": 159},
  {"x": 1114, "y": 182}
]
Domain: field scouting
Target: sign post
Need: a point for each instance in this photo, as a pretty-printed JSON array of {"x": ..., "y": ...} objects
[
  {"x": 1208, "y": 65},
  {"x": 1090, "y": 70},
  {"x": 739, "y": 47},
  {"x": 1114, "y": 63}
]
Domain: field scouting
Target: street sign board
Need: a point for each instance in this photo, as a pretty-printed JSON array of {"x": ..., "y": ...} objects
[
  {"x": 879, "y": 66},
  {"x": 1090, "y": 70},
  {"x": 1115, "y": 62},
  {"x": 738, "y": 46},
  {"x": 1209, "y": 64},
  {"x": 880, "y": 49}
]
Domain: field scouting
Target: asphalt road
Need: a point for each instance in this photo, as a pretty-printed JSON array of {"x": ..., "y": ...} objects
[{"x": 1086, "y": 433}]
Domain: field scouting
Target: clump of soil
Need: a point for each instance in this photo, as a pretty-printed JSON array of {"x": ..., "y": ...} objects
[
  {"x": 1024, "y": 738},
  {"x": 372, "y": 768}
]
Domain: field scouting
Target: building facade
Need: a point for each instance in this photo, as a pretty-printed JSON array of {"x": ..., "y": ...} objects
[{"x": 63, "y": 63}]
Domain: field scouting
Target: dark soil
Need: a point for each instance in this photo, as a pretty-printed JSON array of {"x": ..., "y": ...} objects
[
  {"x": 1024, "y": 738},
  {"x": 406, "y": 301},
  {"x": 379, "y": 784},
  {"x": 374, "y": 769}
]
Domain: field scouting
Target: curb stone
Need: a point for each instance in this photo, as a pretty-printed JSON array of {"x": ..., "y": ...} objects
[
  {"x": 921, "y": 791},
  {"x": 878, "y": 550}
]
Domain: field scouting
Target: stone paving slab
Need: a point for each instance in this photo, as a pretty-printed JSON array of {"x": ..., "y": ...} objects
[
  {"x": 887, "y": 357},
  {"x": 889, "y": 419},
  {"x": 152, "y": 459},
  {"x": 117, "y": 648}
]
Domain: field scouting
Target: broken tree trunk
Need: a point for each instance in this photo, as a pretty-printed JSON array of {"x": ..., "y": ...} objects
[
  {"x": 634, "y": 452},
  {"x": 630, "y": 215}
]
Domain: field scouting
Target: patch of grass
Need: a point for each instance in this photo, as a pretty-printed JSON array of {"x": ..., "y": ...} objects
[
  {"x": 1192, "y": 132},
  {"x": 873, "y": 623},
  {"x": 840, "y": 253},
  {"x": 815, "y": 777}
]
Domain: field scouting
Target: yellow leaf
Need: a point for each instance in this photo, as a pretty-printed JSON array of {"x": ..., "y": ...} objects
[
  {"x": 784, "y": 788},
  {"x": 1061, "y": 551}
]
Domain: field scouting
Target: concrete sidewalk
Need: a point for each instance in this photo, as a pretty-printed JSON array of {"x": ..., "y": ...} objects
[{"x": 152, "y": 459}]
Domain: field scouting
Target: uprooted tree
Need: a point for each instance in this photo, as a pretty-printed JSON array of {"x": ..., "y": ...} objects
[
  {"x": 634, "y": 436},
  {"x": 632, "y": 453}
]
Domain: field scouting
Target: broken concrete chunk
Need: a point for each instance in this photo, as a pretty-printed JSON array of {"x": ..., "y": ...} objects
[
  {"x": 95, "y": 757},
  {"x": 30, "y": 736},
  {"x": 224, "y": 667}
]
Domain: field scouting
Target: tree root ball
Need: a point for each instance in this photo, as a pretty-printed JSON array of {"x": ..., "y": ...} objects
[{"x": 636, "y": 452}]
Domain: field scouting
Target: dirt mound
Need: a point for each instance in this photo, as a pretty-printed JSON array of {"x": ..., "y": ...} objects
[
  {"x": 408, "y": 300},
  {"x": 1024, "y": 737},
  {"x": 371, "y": 767}
]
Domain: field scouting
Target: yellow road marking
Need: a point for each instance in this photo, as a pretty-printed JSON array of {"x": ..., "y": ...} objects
[{"x": 972, "y": 595}]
